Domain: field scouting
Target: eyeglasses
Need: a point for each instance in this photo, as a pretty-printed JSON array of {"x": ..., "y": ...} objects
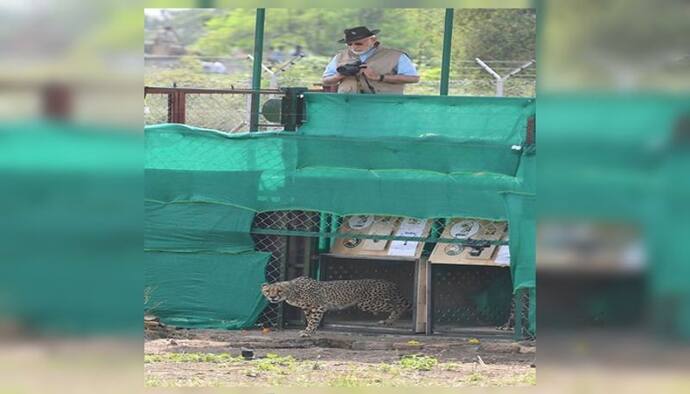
[{"x": 357, "y": 44}]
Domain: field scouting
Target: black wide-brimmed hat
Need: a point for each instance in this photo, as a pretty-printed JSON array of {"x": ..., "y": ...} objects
[{"x": 357, "y": 33}]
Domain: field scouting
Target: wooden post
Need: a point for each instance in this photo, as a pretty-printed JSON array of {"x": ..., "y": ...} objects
[
  {"x": 429, "y": 329},
  {"x": 421, "y": 320},
  {"x": 177, "y": 107}
]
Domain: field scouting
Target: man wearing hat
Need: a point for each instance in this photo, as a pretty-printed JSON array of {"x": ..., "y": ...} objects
[{"x": 381, "y": 70}]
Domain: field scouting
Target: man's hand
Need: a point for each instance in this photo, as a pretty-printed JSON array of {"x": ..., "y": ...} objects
[{"x": 369, "y": 73}]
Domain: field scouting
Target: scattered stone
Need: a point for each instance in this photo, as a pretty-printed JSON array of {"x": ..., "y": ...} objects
[
  {"x": 252, "y": 374},
  {"x": 172, "y": 342},
  {"x": 247, "y": 354}
]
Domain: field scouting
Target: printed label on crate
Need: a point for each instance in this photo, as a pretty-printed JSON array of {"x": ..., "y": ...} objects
[
  {"x": 503, "y": 255},
  {"x": 383, "y": 226},
  {"x": 410, "y": 227}
]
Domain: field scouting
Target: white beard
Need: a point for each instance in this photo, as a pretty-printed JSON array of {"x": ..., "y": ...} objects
[{"x": 359, "y": 52}]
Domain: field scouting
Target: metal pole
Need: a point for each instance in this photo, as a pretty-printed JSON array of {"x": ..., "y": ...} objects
[
  {"x": 323, "y": 228},
  {"x": 447, "y": 39},
  {"x": 499, "y": 87},
  {"x": 335, "y": 221},
  {"x": 256, "y": 71},
  {"x": 499, "y": 81}
]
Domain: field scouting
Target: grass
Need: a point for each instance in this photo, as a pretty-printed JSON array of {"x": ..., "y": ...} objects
[
  {"x": 475, "y": 378},
  {"x": 393, "y": 369},
  {"x": 450, "y": 366},
  {"x": 277, "y": 370},
  {"x": 271, "y": 364},
  {"x": 275, "y": 363},
  {"x": 353, "y": 381},
  {"x": 192, "y": 358},
  {"x": 417, "y": 362},
  {"x": 190, "y": 382},
  {"x": 529, "y": 378},
  {"x": 526, "y": 379}
]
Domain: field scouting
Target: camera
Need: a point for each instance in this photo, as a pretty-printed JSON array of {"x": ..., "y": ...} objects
[{"x": 350, "y": 69}]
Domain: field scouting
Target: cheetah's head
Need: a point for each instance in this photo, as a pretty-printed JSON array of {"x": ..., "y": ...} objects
[{"x": 275, "y": 292}]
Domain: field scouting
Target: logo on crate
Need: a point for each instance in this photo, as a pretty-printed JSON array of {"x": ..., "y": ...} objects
[
  {"x": 352, "y": 242},
  {"x": 360, "y": 222},
  {"x": 464, "y": 229},
  {"x": 453, "y": 249}
]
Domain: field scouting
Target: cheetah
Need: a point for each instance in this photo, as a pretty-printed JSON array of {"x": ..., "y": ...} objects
[{"x": 315, "y": 298}]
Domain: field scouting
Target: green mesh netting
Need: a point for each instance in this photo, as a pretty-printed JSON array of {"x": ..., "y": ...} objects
[
  {"x": 623, "y": 159},
  {"x": 71, "y": 228},
  {"x": 419, "y": 156}
]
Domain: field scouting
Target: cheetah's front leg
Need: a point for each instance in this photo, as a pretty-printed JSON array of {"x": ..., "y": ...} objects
[
  {"x": 394, "y": 315},
  {"x": 313, "y": 319}
]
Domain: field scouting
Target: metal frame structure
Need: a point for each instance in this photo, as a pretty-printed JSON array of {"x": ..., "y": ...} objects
[{"x": 326, "y": 226}]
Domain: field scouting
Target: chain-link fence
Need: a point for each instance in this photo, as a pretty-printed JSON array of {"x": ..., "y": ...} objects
[
  {"x": 276, "y": 268},
  {"x": 156, "y": 109},
  {"x": 229, "y": 109},
  {"x": 220, "y": 109},
  {"x": 323, "y": 225}
]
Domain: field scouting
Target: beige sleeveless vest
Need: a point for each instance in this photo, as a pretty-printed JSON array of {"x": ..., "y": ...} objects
[{"x": 383, "y": 62}]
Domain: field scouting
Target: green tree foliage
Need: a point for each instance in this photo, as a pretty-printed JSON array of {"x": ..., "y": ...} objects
[
  {"x": 495, "y": 34},
  {"x": 491, "y": 34},
  {"x": 506, "y": 34}
]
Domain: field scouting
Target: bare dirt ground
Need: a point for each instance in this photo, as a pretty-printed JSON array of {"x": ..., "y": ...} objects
[{"x": 201, "y": 358}]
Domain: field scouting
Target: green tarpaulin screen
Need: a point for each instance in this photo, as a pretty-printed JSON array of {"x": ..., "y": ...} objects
[{"x": 418, "y": 156}]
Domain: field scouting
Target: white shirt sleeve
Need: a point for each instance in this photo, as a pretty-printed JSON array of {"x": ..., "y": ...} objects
[
  {"x": 405, "y": 66},
  {"x": 330, "y": 68}
]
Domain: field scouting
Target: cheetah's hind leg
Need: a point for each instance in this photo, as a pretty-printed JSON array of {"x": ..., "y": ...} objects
[{"x": 395, "y": 312}]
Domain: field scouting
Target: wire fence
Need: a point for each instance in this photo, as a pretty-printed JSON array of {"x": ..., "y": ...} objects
[
  {"x": 314, "y": 224},
  {"x": 227, "y": 110}
]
